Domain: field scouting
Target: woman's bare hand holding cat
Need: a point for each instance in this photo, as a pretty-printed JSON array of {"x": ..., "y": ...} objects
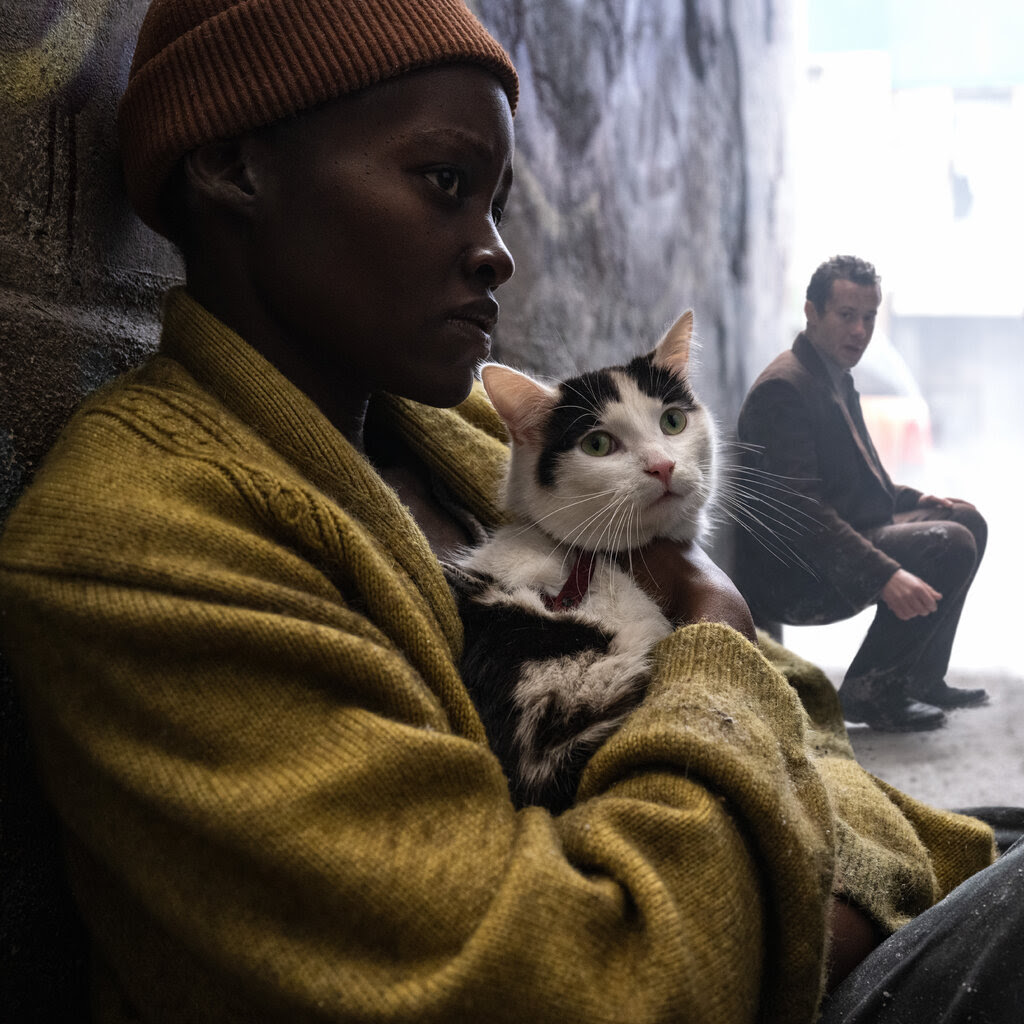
[{"x": 689, "y": 586}]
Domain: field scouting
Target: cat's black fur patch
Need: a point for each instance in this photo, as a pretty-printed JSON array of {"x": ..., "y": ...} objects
[
  {"x": 659, "y": 382},
  {"x": 580, "y": 400},
  {"x": 499, "y": 639}
]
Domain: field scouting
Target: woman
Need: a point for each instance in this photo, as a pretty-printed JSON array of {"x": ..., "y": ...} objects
[{"x": 235, "y": 640}]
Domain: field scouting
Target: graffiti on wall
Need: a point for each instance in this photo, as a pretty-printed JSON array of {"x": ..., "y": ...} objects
[{"x": 46, "y": 66}]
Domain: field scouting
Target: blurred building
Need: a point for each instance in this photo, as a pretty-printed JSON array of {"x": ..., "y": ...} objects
[{"x": 908, "y": 150}]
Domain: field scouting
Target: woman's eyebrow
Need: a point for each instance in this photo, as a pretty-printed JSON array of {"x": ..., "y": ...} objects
[{"x": 454, "y": 136}]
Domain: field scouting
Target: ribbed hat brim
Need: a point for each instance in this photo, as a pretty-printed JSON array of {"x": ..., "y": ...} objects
[{"x": 214, "y": 69}]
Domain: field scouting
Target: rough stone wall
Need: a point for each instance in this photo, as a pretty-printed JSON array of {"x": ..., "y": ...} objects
[
  {"x": 79, "y": 275},
  {"x": 649, "y": 173}
]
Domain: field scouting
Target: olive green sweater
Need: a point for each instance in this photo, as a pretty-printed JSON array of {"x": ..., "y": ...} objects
[{"x": 239, "y": 658}]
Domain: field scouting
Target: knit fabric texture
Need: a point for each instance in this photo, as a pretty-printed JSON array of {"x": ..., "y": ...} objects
[
  {"x": 240, "y": 660},
  {"x": 208, "y": 70}
]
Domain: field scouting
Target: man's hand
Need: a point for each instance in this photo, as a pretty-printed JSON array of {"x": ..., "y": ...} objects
[
  {"x": 934, "y": 501},
  {"x": 908, "y": 596},
  {"x": 688, "y": 586}
]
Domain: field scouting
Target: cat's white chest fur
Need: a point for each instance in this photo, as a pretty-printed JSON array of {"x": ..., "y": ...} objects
[{"x": 530, "y": 564}]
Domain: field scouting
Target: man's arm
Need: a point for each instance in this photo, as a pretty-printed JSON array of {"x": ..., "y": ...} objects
[
  {"x": 780, "y": 431},
  {"x": 934, "y": 501},
  {"x": 905, "y": 594}
]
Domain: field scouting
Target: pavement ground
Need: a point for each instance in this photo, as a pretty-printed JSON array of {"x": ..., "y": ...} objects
[{"x": 975, "y": 760}]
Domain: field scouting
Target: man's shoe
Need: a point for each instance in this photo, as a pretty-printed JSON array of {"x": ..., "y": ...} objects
[
  {"x": 902, "y": 715},
  {"x": 945, "y": 696}
]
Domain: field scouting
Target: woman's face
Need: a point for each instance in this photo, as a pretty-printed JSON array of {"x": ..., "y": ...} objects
[{"x": 376, "y": 251}]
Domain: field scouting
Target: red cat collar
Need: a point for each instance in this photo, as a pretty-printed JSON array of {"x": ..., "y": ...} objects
[{"x": 575, "y": 587}]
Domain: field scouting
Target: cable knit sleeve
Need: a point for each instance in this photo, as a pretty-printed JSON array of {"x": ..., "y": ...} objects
[
  {"x": 278, "y": 801},
  {"x": 895, "y": 856}
]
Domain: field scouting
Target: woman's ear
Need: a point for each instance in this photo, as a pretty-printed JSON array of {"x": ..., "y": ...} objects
[{"x": 221, "y": 173}]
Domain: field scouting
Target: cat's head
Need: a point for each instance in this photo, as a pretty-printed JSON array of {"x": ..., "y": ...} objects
[{"x": 613, "y": 458}]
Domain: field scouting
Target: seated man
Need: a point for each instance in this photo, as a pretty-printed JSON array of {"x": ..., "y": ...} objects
[{"x": 847, "y": 537}]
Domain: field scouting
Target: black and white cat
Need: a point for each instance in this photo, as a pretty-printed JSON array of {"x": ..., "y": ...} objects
[{"x": 557, "y": 633}]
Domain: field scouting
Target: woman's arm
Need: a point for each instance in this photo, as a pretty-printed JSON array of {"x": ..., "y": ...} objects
[{"x": 689, "y": 586}]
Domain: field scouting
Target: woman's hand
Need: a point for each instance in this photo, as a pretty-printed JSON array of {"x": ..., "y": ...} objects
[
  {"x": 688, "y": 586},
  {"x": 852, "y": 936}
]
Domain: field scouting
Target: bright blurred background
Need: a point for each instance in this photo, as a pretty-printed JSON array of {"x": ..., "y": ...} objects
[{"x": 908, "y": 150}]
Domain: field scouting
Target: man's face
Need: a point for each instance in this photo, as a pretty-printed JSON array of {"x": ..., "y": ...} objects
[
  {"x": 845, "y": 328},
  {"x": 375, "y": 248}
]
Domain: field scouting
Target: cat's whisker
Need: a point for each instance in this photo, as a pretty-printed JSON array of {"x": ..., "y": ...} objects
[
  {"x": 766, "y": 536},
  {"x": 619, "y": 527},
  {"x": 771, "y": 481},
  {"x": 618, "y": 521},
  {"x": 577, "y": 500},
  {"x": 799, "y": 520},
  {"x": 743, "y": 446},
  {"x": 764, "y": 476},
  {"x": 783, "y": 516},
  {"x": 762, "y": 481},
  {"x": 609, "y": 509}
]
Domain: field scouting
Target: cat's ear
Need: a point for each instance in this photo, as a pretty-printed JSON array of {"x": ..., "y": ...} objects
[
  {"x": 673, "y": 351},
  {"x": 522, "y": 402}
]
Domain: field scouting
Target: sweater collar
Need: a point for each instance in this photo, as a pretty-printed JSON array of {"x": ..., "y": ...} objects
[
  {"x": 466, "y": 458},
  {"x": 260, "y": 395}
]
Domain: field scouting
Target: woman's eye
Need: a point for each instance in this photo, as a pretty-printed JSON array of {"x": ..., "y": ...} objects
[
  {"x": 496, "y": 214},
  {"x": 447, "y": 179},
  {"x": 598, "y": 443},
  {"x": 673, "y": 421}
]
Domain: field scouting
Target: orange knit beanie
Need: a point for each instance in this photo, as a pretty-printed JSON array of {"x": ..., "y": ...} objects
[{"x": 214, "y": 69}]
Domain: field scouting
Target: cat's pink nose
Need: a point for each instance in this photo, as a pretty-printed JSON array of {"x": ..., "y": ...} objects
[{"x": 662, "y": 470}]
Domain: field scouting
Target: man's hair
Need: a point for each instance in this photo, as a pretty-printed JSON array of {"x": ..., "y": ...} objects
[{"x": 838, "y": 268}]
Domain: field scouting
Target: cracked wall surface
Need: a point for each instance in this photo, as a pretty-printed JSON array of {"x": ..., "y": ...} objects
[{"x": 650, "y": 178}]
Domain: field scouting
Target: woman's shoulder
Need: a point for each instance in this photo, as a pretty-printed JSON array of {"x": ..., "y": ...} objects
[
  {"x": 158, "y": 405},
  {"x": 150, "y": 441}
]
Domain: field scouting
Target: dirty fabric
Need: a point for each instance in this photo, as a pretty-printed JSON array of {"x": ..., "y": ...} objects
[{"x": 960, "y": 961}]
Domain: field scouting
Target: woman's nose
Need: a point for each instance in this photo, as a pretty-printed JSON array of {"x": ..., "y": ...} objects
[{"x": 490, "y": 259}]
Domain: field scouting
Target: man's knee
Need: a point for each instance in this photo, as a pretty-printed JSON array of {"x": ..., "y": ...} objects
[
  {"x": 951, "y": 552},
  {"x": 969, "y": 517},
  {"x": 941, "y": 550}
]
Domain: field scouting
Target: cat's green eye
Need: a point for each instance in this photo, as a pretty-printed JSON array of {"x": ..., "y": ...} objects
[
  {"x": 673, "y": 421},
  {"x": 598, "y": 442}
]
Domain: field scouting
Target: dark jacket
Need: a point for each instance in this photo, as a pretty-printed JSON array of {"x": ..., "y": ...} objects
[{"x": 826, "y": 486}]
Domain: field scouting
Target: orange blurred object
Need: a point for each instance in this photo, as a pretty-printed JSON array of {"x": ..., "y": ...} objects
[{"x": 900, "y": 427}]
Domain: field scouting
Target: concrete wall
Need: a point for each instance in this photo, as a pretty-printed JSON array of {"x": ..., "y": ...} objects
[
  {"x": 79, "y": 275},
  {"x": 650, "y": 178}
]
